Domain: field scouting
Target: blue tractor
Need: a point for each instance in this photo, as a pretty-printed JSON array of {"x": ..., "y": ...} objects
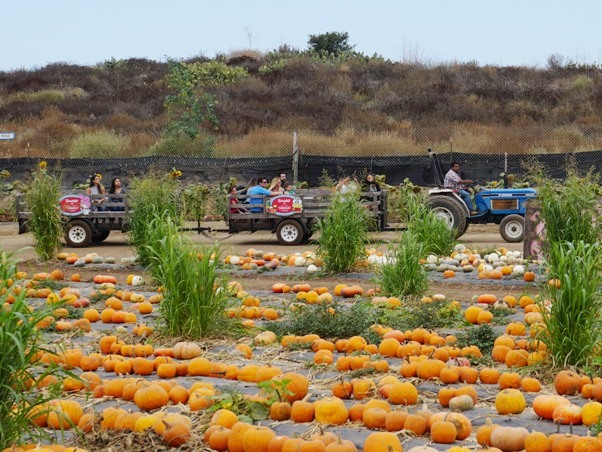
[{"x": 505, "y": 207}]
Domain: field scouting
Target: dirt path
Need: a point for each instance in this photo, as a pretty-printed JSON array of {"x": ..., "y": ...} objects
[{"x": 477, "y": 236}]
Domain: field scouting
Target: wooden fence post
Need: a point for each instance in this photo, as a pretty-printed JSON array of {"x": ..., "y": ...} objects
[{"x": 295, "y": 158}]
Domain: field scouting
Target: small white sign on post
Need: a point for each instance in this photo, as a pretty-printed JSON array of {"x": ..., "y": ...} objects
[{"x": 7, "y": 135}]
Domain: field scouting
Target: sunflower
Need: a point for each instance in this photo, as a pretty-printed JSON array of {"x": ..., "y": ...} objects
[{"x": 175, "y": 173}]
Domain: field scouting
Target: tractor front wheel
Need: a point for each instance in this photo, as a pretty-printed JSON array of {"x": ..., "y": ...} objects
[{"x": 512, "y": 228}]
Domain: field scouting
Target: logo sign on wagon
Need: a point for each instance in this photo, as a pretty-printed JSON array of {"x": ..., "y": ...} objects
[
  {"x": 284, "y": 205},
  {"x": 73, "y": 205}
]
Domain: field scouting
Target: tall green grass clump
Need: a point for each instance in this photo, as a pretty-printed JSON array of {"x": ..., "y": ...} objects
[
  {"x": 195, "y": 295},
  {"x": 343, "y": 232},
  {"x": 150, "y": 197},
  {"x": 573, "y": 256},
  {"x": 46, "y": 222},
  {"x": 569, "y": 209},
  {"x": 430, "y": 230},
  {"x": 20, "y": 342},
  {"x": 402, "y": 274},
  {"x": 573, "y": 333}
]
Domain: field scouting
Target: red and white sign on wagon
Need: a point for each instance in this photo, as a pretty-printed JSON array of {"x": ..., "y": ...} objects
[
  {"x": 284, "y": 205},
  {"x": 73, "y": 205}
]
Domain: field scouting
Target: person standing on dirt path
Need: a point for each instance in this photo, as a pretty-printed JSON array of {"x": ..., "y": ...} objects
[
  {"x": 456, "y": 183},
  {"x": 260, "y": 190}
]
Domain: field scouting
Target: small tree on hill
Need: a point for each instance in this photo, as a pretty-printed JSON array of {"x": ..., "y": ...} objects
[
  {"x": 332, "y": 43},
  {"x": 191, "y": 102}
]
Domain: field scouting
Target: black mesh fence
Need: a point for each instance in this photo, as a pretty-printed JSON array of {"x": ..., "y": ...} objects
[
  {"x": 486, "y": 151},
  {"x": 310, "y": 168}
]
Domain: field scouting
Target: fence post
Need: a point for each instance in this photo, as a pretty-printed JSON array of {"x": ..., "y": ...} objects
[{"x": 295, "y": 158}]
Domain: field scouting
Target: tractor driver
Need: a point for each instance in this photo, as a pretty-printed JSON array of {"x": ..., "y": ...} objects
[{"x": 456, "y": 183}]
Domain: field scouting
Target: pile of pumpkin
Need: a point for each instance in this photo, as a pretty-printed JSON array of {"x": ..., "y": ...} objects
[
  {"x": 255, "y": 259},
  {"x": 227, "y": 433}
]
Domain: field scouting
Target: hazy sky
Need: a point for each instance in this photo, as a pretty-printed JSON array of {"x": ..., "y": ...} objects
[{"x": 511, "y": 32}]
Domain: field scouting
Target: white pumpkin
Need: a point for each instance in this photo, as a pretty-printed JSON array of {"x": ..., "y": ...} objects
[
  {"x": 137, "y": 280},
  {"x": 518, "y": 270},
  {"x": 312, "y": 268},
  {"x": 234, "y": 260}
]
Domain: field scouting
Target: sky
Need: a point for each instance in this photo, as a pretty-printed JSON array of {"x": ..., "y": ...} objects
[{"x": 35, "y": 33}]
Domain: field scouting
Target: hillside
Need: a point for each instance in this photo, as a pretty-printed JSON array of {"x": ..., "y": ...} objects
[{"x": 342, "y": 106}]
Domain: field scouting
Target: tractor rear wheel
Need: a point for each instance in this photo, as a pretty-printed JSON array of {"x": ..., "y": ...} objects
[
  {"x": 450, "y": 211},
  {"x": 512, "y": 228}
]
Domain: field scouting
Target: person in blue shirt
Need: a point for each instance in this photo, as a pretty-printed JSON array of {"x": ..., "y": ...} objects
[{"x": 261, "y": 190}]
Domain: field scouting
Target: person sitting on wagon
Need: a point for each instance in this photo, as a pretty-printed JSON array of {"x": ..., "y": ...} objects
[
  {"x": 234, "y": 200},
  {"x": 260, "y": 190},
  {"x": 96, "y": 188},
  {"x": 370, "y": 185},
  {"x": 276, "y": 185},
  {"x": 116, "y": 189},
  {"x": 289, "y": 189},
  {"x": 456, "y": 183}
]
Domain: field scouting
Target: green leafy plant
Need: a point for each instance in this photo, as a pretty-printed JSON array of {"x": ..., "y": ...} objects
[
  {"x": 328, "y": 321},
  {"x": 21, "y": 342},
  {"x": 237, "y": 402},
  {"x": 402, "y": 274},
  {"x": 195, "y": 295},
  {"x": 326, "y": 180},
  {"x": 573, "y": 330},
  {"x": 569, "y": 209},
  {"x": 191, "y": 104},
  {"x": 332, "y": 43},
  {"x": 418, "y": 314},
  {"x": 45, "y": 222},
  {"x": 218, "y": 197},
  {"x": 483, "y": 336},
  {"x": 427, "y": 227},
  {"x": 150, "y": 197},
  {"x": 194, "y": 201},
  {"x": 343, "y": 232}
]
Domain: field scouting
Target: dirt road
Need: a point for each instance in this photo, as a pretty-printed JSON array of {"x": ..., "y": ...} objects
[{"x": 477, "y": 236}]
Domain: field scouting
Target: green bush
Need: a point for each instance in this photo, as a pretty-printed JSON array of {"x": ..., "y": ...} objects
[
  {"x": 402, "y": 274},
  {"x": 415, "y": 313},
  {"x": 430, "y": 230},
  {"x": 569, "y": 209},
  {"x": 150, "y": 197},
  {"x": 195, "y": 295},
  {"x": 21, "y": 342},
  {"x": 343, "y": 232},
  {"x": 46, "y": 222},
  {"x": 327, "y": 320},
  {"x": 573, "y": 333},
  {"x": 103, "y": 143}
]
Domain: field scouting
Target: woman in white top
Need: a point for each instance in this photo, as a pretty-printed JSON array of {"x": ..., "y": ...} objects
[{"x": 96, "y": 188}]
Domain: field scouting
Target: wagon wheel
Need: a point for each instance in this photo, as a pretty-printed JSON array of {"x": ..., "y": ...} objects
[{"x": 78, "y": 234}]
